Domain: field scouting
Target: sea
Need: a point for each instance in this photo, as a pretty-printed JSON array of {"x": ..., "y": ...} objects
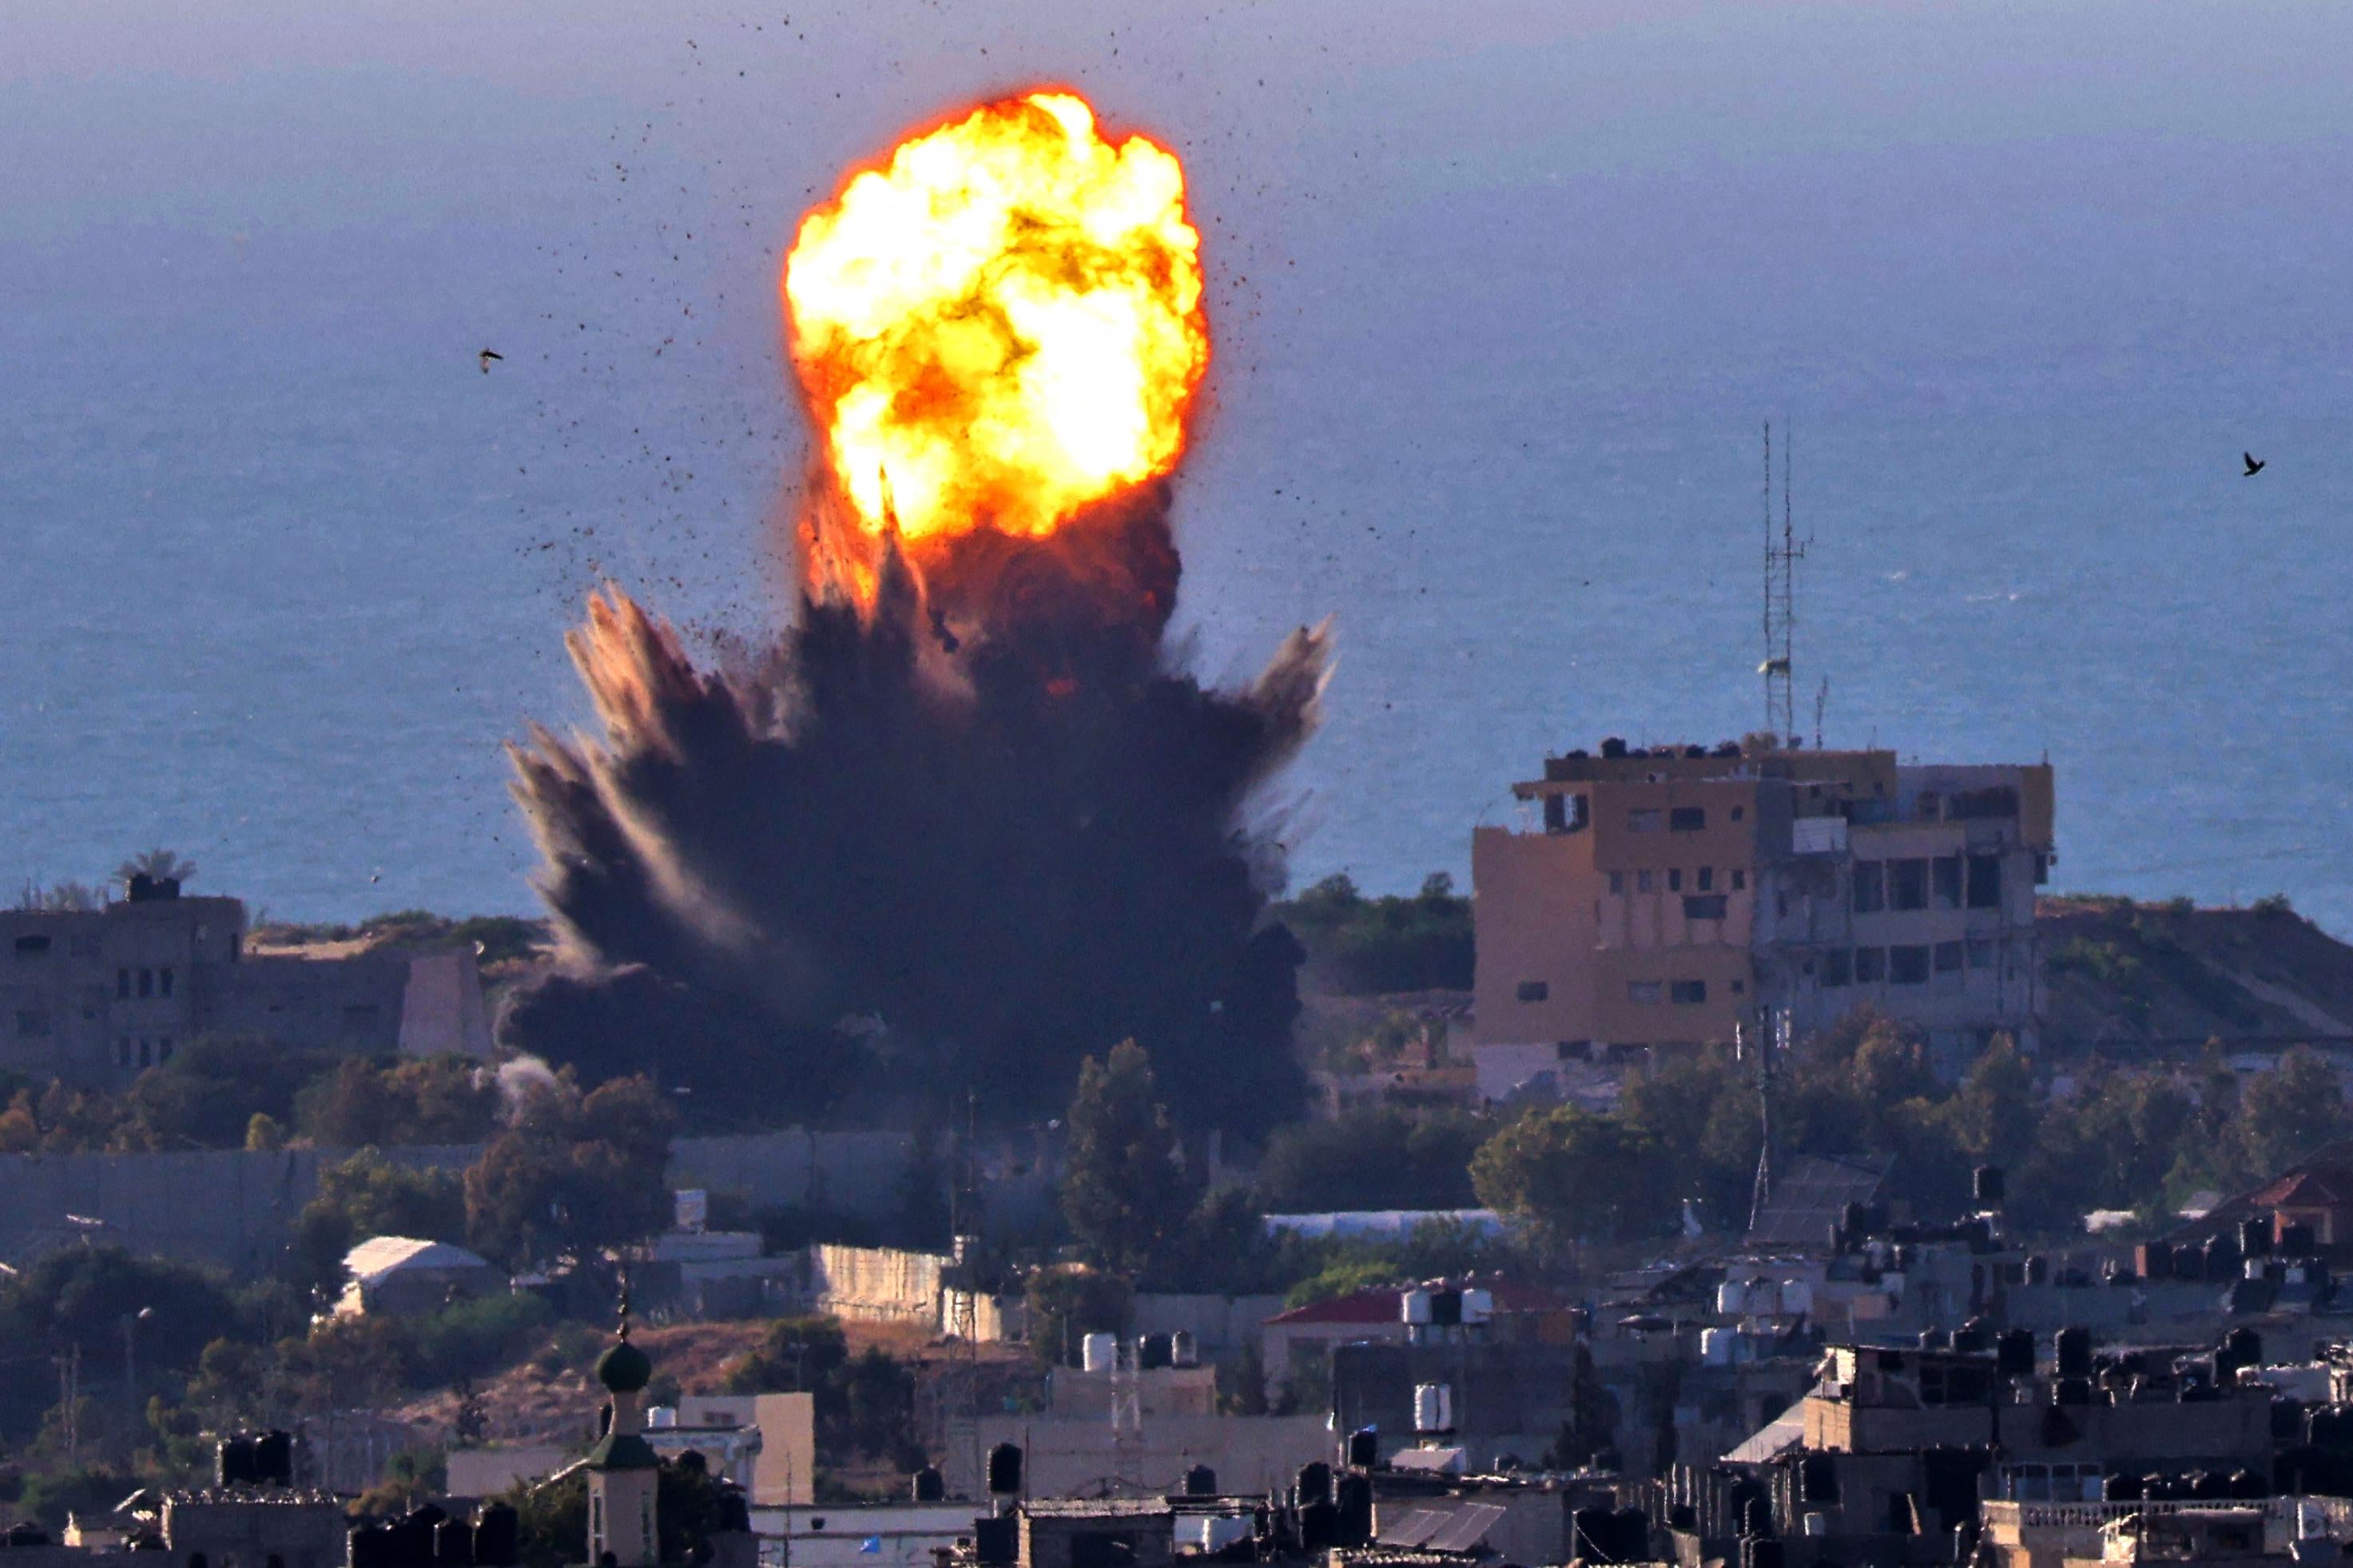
[{"x": 1504, "y": 297}]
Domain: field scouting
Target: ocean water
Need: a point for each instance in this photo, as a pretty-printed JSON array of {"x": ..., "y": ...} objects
[{"x": 1501, "y": 297}]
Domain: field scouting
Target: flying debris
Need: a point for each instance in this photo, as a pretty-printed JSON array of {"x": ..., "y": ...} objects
[
  {"x": 486, "y": 357},
  {"x": 970, "y": 788},
  {"x": 2255, "y": 465}
]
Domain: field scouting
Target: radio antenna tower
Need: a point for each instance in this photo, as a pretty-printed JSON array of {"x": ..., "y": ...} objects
[{"x": 1782, "y": 554}]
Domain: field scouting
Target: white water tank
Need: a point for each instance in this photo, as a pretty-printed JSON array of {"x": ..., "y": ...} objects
[
  {"x": 1478, "y": 1306},
  {"x": 1099, "y": 1353},
  {"x": 1816, "y": 1523},
  {"x": 1183, "y": 1349},
  {"x": 1715, "y": 1347},
  {"x": 1415, "y": 1306},
  {"x": 1731, "y": 1299},
  {"x": 1433, "y": 1407}
]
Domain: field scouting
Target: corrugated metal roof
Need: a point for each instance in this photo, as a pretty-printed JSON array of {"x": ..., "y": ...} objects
[
  {"x": 378, "y": 1256},
  {"x": 1808, "y": 1199}
]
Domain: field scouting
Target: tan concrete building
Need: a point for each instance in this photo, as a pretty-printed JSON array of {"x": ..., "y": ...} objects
[
  {"x": 95, "y": 996},
  {"x": 1676, "y": 896}
]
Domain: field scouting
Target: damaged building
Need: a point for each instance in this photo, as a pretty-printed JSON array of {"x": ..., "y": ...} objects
[{"x": 1677, "y": 896}]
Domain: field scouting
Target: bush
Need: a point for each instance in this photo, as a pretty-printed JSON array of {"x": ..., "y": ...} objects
[
  {"x": 477, "y": 1338},
  {"x": 1372, "y": 1158},
  {"x": 1360, "y": 946}
]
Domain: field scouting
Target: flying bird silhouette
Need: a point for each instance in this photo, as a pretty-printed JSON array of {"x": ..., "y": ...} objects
[
  {"x": 2255, "y": 465},
  {"x": 485, "y": 358}
]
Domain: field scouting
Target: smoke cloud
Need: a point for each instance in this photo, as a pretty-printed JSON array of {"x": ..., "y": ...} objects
[{"x": 954, "y": 831}]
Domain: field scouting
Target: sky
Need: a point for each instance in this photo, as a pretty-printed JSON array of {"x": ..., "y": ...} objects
[{"x": 1500, "y": 294}]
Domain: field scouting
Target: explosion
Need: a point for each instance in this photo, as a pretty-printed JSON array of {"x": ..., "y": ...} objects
[
  {"x": 967, "y": 820},
  {"x": 1001, "y": 326}
]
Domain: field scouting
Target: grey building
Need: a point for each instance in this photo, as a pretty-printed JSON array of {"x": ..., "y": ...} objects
[{"x": 95, "y": 996}]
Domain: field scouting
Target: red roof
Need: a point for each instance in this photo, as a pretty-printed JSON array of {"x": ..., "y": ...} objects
[
  {"x": 1382, "y": 1305},
  {"x": 2304, "y": 1189}
]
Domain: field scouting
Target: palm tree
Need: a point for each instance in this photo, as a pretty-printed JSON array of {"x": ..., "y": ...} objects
[{"x": 157, "y": 866}]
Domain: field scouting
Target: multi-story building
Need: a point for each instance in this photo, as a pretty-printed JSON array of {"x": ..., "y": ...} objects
[
  {"x": 95, "y": 996},
  {"x": 1677, "y": 896}
]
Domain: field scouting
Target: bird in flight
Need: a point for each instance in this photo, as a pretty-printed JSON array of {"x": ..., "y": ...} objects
[
  {"x": 2255, "y": 465},
  {"x": 487, "y": 355}
]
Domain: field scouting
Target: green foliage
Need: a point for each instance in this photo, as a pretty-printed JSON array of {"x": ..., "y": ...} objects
[
  {"x": 1376, "y": 1157},
  {"x": 469, "y": 1340},
  {"x": 367, "y": 1195},
  {"x": 1360, "y": 946},
  {"x": 864, "y": 1405},
  {"x": 1068, "y": 1303},
  {"x": 574, "y": 1175},
  {"x": 390, "y": 1103},
  {"x": 1571, "y": 1175},
  {"x": 1125, "y": 1194},
  {"x": 1346, "y": 1277}
]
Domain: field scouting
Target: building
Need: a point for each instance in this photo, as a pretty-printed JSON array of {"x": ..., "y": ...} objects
[
  {"x": 1674, "y": 896},
  {"x": 402, "y": 1274},
  {"x": 95, "y": 996}
]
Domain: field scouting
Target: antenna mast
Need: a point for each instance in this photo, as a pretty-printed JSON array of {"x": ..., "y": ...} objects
[{"x": 1781, "y": 557}]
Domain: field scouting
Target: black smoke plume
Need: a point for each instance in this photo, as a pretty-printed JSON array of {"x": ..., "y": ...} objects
[{"x": 952, "y": 838}]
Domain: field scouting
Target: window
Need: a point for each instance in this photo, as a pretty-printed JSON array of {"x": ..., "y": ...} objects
[
  {"x": 1674, "y": 882},
  {"x": 146, "y": 982},
  {"x": 1617, "y": 881},
  {"x": 163, "y": 981},
  {"x": 163, "y": 1050},
  {"x": 1687, "y": 818},
  {"x": 33, "y": 1022},
  {"x": 1564, "y": 814},
  {"x": 1739, "y": 880},
  {"x": 1907, "y": 884},
  {"x": 1928, "y": 807},
  {"x": 1907, "y": 965},
  {"x": 1948, "y": 958},
  {"x": 1739, "y": 986},
  {"x": 1985, "y": 881},
  {"x": 1737, "y": 813},
  {"x": 32, "y": 947},
  {"x": 1534, "y": 990},
  {"x": 122, "y": 1051},
  {"x": 1980, "y": 954},
  {"x": 1645, "y": 993},
  {"x": 1687, "y": 993},
  {"x": 1641, "y": 881},
  {"x": 146, "y": 1053},
  {"x": 1870, "y": 965},
  {"x": 1707, "y": 879},
  {"x": 1645, "y": 821},
  {"x": 1703, "y": 906},
  {"x": 123, "y": 985},
  {"x": 1870, "y": 886},
  {"x": 1945, "y": 881},
  {"x": 1838, "y": 966}
]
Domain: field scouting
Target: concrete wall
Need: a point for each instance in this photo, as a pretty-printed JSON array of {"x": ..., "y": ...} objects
[{"x": 233, "y": 1207}]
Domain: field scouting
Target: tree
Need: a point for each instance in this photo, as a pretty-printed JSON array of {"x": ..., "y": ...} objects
[
  {"x": 1572, "y": 1175},
  {"x": 574, "y": 1176},
  {"x": 2288, "y": 1112},
  {"x": 1068, "y": 1303},
  {"x": 1375, "y": 1157},
  {"x": 367, "y": 1195},
  {"x": 426, "y": 1100},
  {"x": 1125, "y": 1193}
]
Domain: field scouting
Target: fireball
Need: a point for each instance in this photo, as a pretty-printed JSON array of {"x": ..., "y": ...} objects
[{"x": 1000, "y": 325}]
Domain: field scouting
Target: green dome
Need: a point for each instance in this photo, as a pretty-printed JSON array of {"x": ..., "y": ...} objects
[{"x": 625, "y": 1369}]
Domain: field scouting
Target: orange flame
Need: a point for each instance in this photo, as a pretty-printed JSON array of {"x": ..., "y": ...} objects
[{"x": 1001, "y": 325}]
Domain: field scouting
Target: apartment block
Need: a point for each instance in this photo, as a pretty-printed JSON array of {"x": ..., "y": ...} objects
[
  {"x": 97, "y": 996},
  {"x": 1677, "y": 896}
]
